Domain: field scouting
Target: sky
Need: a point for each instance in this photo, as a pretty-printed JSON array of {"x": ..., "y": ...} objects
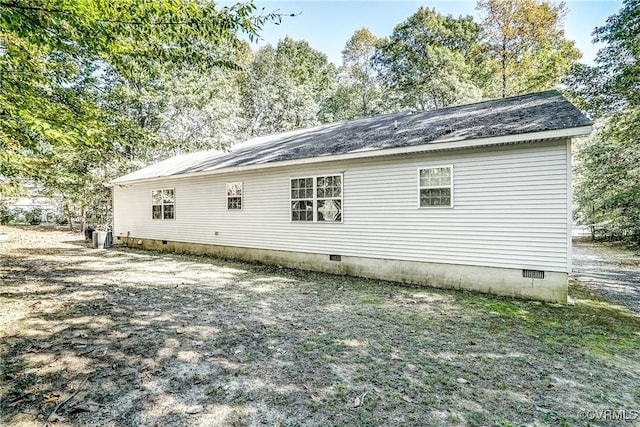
[{"x": 328, "y": 24}]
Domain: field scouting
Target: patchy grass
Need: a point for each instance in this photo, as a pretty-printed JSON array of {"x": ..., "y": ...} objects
[{"x": 163, "y": 339}]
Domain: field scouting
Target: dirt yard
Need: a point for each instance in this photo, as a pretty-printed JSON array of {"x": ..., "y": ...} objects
[{"x": 123, "y": 337}]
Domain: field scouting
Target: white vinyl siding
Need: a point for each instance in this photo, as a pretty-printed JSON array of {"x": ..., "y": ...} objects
[{"x": 510, "y": 209}]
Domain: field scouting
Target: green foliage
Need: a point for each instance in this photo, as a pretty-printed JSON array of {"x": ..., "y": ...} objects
[
  {"x": 620, "y": 57},
  {"x": 360, "y": 82},
  {"x": 34, "y": 216},
  {"x": 607, "y": 190},
  {"x": 5, "y": 215},
  {"x": 427, "y": 62},
  {"x": 286, "y": 87},
  {"x": 526, "y": 38},
  {"x": 90, "y": 89},
  {"x": 88, "y": 83}
]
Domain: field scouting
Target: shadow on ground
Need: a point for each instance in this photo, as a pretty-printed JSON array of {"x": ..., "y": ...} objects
[{"x": 142, "y": 338}]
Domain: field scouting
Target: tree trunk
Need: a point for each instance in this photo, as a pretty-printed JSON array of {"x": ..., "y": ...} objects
[
  {"x": 69, "y": 217},
  {"x": 364, "y": 103},
  {"x": 504, "y": 67},
  {"x": 83, "y": 220}
]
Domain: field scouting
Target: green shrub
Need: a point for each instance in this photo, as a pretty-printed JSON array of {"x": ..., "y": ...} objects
[
  {"x": 34, "y": 216},
  {"x": 5, "y": 215}
]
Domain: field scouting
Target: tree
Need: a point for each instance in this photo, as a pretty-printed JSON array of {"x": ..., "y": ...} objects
[
  {"x": 357, "y": 63},
  {"x": 607, "y": 191},
  {"x": 57, "y": 55},
  {"x": 88, "y": 88},
  {"x": 425, "y": 60},
  {"x": 620, "y": 58},
  {"x": 286, "y": 87},
  {"x": 527, "y": 39}
]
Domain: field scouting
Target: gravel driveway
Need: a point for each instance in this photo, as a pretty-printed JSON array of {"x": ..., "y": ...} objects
[{"x": 610, "y": 273}]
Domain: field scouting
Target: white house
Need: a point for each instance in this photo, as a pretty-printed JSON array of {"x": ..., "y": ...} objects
[{"x": 475, "y": 196}]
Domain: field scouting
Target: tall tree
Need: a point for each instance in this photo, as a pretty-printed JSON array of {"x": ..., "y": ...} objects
[
  {"x": 286, "y": 87},
  {"x": 527, "y": 38},
  {"x": 84, "y": 85},
  {"x": 607, "y": 192},
  {"x": 357, "y": 62},
  {"x": 425, "y": 60},
  {"x": 56, "y": 54}
]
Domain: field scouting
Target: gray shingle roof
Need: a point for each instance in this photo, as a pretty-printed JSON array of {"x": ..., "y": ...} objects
[{"x": 537, "y": 112}]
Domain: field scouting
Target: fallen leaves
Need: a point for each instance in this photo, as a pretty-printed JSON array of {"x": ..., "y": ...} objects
[{"x": 52, "y": 397}]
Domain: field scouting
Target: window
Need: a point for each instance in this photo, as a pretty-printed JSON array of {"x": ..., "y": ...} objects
[
  {"x": 329, "y": 198},
  {"x": 302, "y": 199},
  {"x": 163, "y": 204},
  {"x": 234, "y": 196},
  {"x": 436, "y": 187},
  {"x": 317, "y": 199}
]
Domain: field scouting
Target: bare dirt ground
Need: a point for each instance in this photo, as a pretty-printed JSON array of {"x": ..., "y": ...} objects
[
  {"x": 123, "y": 337},
  {"x": 612, "y": 273}
]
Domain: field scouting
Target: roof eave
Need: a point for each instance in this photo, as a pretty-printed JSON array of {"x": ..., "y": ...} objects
[{"x": 445, "y": 144}]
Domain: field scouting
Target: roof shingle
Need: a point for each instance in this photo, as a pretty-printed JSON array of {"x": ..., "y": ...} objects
[{"x": 537, "y": 112}]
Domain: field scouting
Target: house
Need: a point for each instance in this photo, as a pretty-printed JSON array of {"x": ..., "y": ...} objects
[{"x": 474, "y": 196}]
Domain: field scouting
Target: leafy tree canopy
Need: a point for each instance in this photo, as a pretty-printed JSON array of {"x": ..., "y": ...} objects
[
  {"x": 607, "y": 191},
  {"x": 425, "y": 60},
  {"x": 287, "y": 87},
  {"x": 527, "y": 39}
]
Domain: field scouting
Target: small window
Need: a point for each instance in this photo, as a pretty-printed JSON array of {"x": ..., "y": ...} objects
[
  {"x": 234, "y": 196},
  {"x": 436, "y": 187},
  {"x": 317, "y": 199},
  {"x": 163, "y": 204}
]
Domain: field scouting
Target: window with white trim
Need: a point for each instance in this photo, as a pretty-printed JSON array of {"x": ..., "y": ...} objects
[
  {"x": 234, "y": 196},
  {"x": 317, "y": 198},
  {"x": 302, "y": 199},
  {"x": 163, "y": 204},
  {"x": 435, "y": 187}
]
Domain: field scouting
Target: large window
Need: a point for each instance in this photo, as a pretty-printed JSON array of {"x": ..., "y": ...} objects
[
  {"x": 163, "y": 204},
  {"x": 436, "y": 187},
  {"x": 234, "y": 196},
  {"x": 317, "y": 199}
]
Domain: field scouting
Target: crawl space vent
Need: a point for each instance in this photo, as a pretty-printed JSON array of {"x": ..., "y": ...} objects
[
  {"x": 335, "y": 258},
  {"x": 533, "y": 274}
]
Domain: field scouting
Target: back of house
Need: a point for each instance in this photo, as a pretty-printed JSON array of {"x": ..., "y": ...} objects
[{"x": 476, "y": 197}]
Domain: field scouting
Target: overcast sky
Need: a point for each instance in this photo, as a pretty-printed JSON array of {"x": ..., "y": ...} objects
[{"x": 327, "y": 25}]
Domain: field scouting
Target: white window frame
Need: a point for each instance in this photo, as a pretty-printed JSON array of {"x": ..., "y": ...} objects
[
  {"x": 163, "y": 204},
  {"x": 241, "y": 196},
  {"x": 315, "y": 198},
  {"x": 450, "y": 187},
  {"x": 311, "y": 199}
]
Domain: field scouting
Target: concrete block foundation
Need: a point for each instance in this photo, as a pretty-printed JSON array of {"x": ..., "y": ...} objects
[{"x": 492, "y": 280}]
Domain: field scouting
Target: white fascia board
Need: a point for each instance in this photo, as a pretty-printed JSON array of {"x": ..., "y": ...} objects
[{"x": 445, "y": 144}]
